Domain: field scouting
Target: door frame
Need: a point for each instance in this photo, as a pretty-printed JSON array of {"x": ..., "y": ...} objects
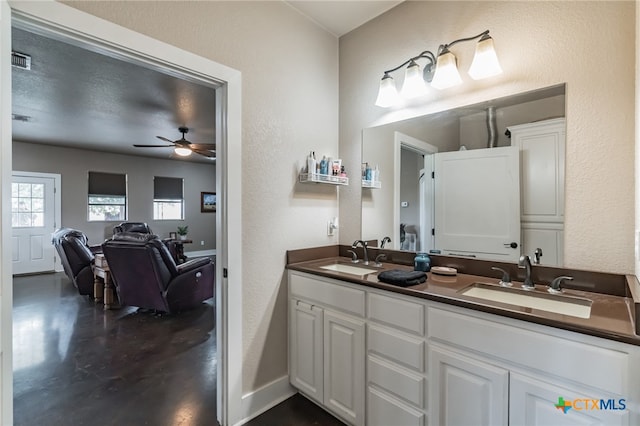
[
  {"x": 57, "y": 200},
  {"x": 88, "y": 31},
  {"x": 402, "y": 140}
]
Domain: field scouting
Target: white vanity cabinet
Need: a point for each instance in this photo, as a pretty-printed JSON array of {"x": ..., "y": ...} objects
[
  {"x": 327, "y": 344},
  {"x": 427, "y": 363},
  {"x": 542, "y": 158},
  {"x": 514, "y": 374},
  {"x": 396, "y": 363}
]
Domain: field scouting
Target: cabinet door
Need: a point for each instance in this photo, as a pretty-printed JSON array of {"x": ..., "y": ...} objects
[
  {"x": 382, "y": 410},
  {"x": 466, "y": 391},
  {"x": 534, "y": 403},
  {"x": 542, "y": 147},
  {"x": 344, "y": 364},
  {"x": 305, "y": 349}
]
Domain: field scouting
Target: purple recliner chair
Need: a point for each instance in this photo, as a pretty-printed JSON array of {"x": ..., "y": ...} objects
[
  {"x": 145, "y": 274},
  {"x": 77, "y": 257}
]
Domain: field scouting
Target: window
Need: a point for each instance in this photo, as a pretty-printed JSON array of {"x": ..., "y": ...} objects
[
  {"x": 27, "y": 205},
  {"x": 107, "y": 196},
  {"x": 168, "y": 199}
]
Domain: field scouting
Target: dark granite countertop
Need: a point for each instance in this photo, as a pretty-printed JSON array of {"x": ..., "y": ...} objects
[{"x": 612, "y": 315}]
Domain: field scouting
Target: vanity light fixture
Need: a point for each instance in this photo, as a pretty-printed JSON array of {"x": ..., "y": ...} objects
[
  {"x": 183, "y": 152},
  {"x": 441, "y": 71}
]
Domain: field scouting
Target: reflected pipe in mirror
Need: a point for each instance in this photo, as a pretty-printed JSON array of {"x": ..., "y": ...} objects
[{"x": 411, "y": 196}]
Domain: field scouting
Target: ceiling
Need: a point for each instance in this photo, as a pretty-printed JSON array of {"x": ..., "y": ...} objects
[
  {"x": 340, "y": 17},
  {"x": 77, "y": 98}
]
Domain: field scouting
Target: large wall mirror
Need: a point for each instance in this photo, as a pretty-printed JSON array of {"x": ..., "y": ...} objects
[{"x": 482, "y": 181}]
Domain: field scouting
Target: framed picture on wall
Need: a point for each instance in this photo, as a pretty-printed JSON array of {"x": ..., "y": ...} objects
[{"x": 207, "y": 202}]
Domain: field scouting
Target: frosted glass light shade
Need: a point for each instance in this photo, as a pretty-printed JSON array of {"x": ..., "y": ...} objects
[
  {"x": 387, "y": 94},
  {"x": 446, "y": 74},
  {"x": 485, "y": 61},
  {"x": 413, "y": 85},
  {"x": 183, "y": 152}
]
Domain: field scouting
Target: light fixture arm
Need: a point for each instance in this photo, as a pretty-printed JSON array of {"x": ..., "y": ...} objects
[
  {"x": 427, "y": 54},
  {"x": 444, "y": 47}
]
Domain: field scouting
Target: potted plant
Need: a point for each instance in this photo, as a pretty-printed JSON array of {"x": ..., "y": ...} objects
[{"x": 182, "y": 231}]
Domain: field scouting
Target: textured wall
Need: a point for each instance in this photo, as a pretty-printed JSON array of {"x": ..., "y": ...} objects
[
  {"x": 289, "y": 107},
  {"x": 74, "y": 164},
  {"x": 540, "y": 44}
]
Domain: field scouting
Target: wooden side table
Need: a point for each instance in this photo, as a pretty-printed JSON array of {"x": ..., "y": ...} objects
[{"x": 102, "y": 282}]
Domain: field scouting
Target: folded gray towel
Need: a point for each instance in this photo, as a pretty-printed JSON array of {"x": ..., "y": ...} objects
[{"x": 402, "y": 278}]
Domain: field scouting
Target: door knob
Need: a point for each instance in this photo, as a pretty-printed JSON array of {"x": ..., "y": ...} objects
[{"x": 513, "y": 245}]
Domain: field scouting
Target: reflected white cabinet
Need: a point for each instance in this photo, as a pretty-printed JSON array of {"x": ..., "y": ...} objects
[
  {"x": 542, "y": 158},
  {"x": 467, "y": 391}
]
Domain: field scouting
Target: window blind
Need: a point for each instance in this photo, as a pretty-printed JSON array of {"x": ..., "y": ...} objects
[
  {"x": 167, "y": 188},
  {"x": 107, "y": 184}
]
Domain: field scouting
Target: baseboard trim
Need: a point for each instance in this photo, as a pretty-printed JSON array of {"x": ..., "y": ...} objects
[
  {"x": 264, "y": 398},
  {"x": 200, "y": 253}
]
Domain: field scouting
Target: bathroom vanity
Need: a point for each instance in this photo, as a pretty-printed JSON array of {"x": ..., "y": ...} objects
[{"x": 435, "y": 353}]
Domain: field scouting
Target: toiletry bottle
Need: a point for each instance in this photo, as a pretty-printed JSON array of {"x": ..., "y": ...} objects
[
  {"x": 323, "y": 166},
  {"x": 367, "y": 173},
  {"x": 343, "y": 173},
  {"x": 375, "y": 175},
  {"x": 311, "y": 164}
]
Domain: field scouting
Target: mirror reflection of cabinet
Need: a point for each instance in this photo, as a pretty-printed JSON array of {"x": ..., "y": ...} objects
[{"x": 542, "y": 153}]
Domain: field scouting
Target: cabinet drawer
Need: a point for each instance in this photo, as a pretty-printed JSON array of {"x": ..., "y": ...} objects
[
  {"x": 328, "y": 294},
  {"x": 385, "y": 411},
  {"x": 397, "y": 347},
  {"x": 397, "y": 312},
  {"x": 586, "y": 363},
  {"x": 404, "y": 385}
]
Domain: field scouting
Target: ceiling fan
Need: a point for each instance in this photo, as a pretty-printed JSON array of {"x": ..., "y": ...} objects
[{"x": 183, "y": 147}]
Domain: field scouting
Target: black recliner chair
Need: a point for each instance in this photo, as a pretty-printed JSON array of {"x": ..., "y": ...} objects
[
  {"x": 140, "y": 227},
  {"x": 77, "y": 257},
  {"x": 145, "y": 274}
]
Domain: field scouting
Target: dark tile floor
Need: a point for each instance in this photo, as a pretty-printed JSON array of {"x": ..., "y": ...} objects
[{"x": 75, "y": 364}]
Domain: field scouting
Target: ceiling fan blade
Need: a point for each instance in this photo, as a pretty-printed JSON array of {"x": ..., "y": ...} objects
[
  {"x": 165, "y": 139},
  {"x": 203, "y": 146},
  {"x": 205, "y": 153},
  {"x": 153, "y": 146}
]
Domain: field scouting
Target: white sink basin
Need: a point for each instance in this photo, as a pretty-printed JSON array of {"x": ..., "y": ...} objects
[
  {"x": 559, "y": 304},
  {"x": 349, "y": 269}
]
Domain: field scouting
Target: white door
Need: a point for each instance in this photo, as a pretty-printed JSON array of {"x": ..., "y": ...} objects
[
  {"x": 477, "y": 200},
  {"x": 344, "y": 363},
  {"x": 465, "y": 391},
  {"x": 32, "y": 221}
]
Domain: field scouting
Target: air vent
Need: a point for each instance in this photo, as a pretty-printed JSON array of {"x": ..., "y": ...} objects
[
  {"x": 20, "y": 117},
  {"x": 20, "y": 60}
]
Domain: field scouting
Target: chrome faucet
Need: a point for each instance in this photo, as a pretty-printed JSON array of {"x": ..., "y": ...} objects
[
  {"x": 379, "y": 258},
  {"x": 556, "y": 285},
  {"x": 384, "y": 241},
  {"x": 525, "y": 262},
  {"x": 364, "y": 249}
]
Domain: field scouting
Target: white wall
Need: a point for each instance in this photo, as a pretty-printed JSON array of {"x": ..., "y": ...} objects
[
  {"x": 290, "y": 99},
  {"x": 539, "y": 44}
]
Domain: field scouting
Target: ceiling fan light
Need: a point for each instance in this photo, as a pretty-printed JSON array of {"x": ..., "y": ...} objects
[
  {"x": 413, "y": 85},
  {"x": 485, "y": 61},
  {"x": 387, "y": 94},
  {"x": 446, "y": 74},
  {"x": 181, "y": 151}
]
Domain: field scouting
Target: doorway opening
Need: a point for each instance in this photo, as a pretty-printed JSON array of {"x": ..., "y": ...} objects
[{"x": 62, "y": 22}]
